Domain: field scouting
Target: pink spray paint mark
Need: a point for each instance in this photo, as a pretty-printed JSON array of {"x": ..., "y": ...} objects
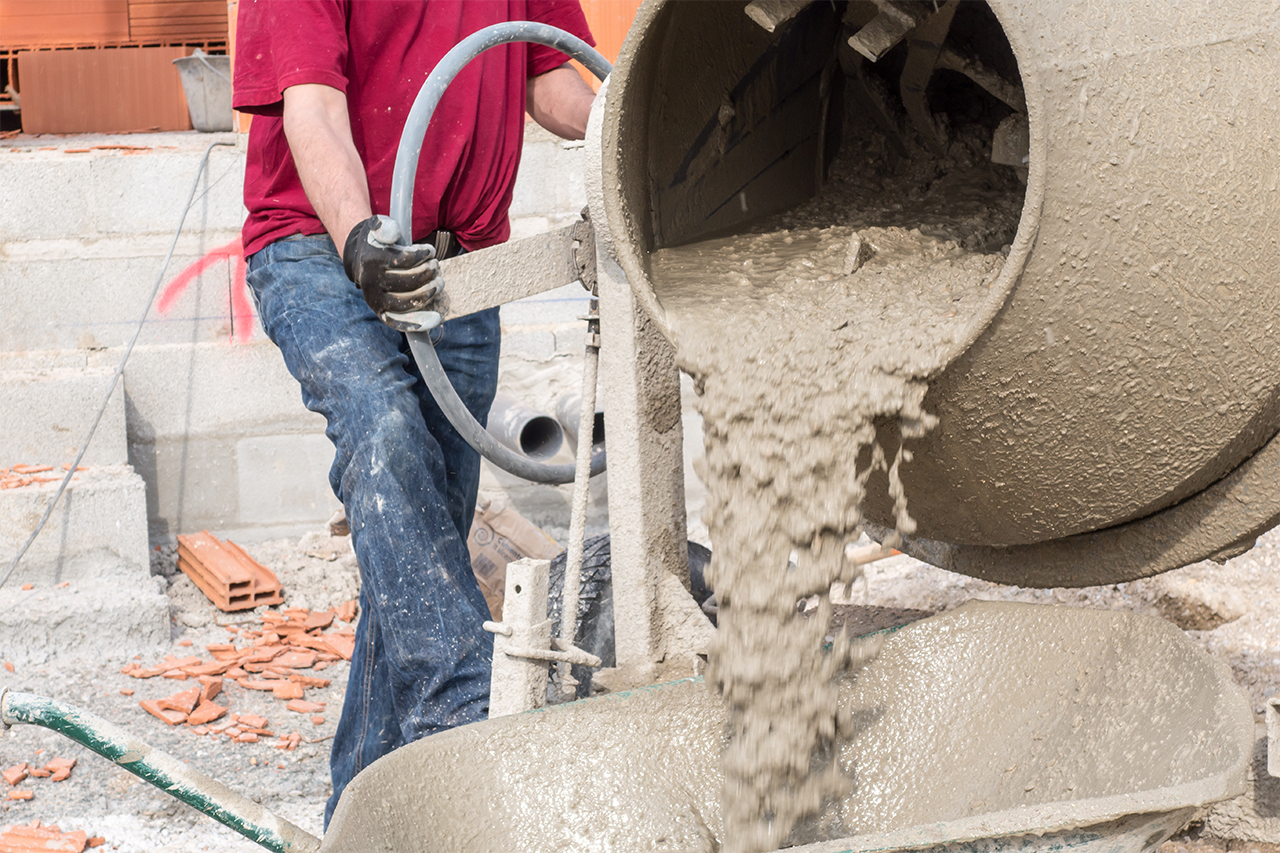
[{"x": 239, "y": 309}]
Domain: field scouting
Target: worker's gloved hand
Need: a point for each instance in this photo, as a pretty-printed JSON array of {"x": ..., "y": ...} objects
[{"x": 400, "y": 283}]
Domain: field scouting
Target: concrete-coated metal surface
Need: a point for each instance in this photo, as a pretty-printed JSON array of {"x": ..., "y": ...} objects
[
  {"x": 1124, "y": 359},
  {"x": 995, "y": 719}
]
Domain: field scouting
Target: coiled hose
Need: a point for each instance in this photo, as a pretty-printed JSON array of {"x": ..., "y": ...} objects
[{"x": 406, "y": 168}]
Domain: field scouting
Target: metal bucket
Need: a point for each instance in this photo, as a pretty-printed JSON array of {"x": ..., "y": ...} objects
[
  {"x": 206, "y": 81},
  {"x": 1107, "y": 413},
  {"x": 996, "y": 726}
]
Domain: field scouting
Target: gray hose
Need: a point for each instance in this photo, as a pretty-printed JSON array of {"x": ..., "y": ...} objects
[{"x": 406, "y": 168}]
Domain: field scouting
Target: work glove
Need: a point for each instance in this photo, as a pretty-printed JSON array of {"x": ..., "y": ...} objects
[{"x": 400, "y": 283}]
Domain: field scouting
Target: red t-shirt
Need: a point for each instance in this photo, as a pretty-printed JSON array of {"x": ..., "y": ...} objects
[{"x": 379, "y": 53}]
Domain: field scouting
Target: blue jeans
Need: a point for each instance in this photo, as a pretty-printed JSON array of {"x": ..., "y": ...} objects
[{"x": 408, "y": 482}]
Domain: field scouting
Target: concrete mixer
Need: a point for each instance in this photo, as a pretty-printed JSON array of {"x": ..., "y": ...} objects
[{"x": 1108, "y": 412}]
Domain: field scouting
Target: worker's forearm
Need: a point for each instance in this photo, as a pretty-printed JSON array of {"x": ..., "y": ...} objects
[
  {"x": 318, "y": 128},
  {"x": 560, "y": 100}
]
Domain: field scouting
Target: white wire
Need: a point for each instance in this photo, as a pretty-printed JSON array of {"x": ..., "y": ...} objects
[{"x": 84, "y": 445}]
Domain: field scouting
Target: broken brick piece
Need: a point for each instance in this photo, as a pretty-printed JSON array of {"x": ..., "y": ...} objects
[
  {"x": 253, "y": 721},
  {"x": 184, "y": 642},
  {"x": 309, "y": 680},
  {"x": 302, "y": 706},
  {"x": 95, "y": 841},
  {"x": 343, "y": 645},
  {"x": 246, "y": 737},
  {"x": 205, "y": 712},
  {"x": 322, "y": 620},
  {"x": 8, "y": 666},
  {"x": 34, "y": 837},
  {"x": 27, "y": 586},
  {"x": 347, "y": 610},
  {"x": 297, "y": 659},
  {"x": 251, "y": 684},
  {"x": 15, "y": 774},
  {"x": 185, "y": 701},
  {"x": 138, "y": 671},
  {"x": 126, "y": 692},
  {"x": 212, "y": 687},
  {"x": 173, "y": 718},
  {"x": 317, "y": 721},
  {"x": 41, "y": 773},
  {"x": 60, "y": 768},
  {"x": 288, "y": 690},
  {"x": 214, "y": 667},
  {"x": 16, "y": 794}
]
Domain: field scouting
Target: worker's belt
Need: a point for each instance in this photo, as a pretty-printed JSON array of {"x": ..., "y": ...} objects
[{"x": 447, "y": 245}]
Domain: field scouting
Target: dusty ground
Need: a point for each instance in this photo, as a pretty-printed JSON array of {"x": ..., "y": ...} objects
[{"x": 1233, "y": 610}]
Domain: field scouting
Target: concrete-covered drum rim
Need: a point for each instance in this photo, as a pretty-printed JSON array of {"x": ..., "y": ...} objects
[{"x": 626, "y": 193}]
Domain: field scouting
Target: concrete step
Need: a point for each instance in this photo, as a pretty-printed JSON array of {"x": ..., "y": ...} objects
[
  {"x": 101, "y": 521},
  {"x": 92, "y": 187},
  {"x": 48, "y": 412},
  {"x": 110, "y": 615}
]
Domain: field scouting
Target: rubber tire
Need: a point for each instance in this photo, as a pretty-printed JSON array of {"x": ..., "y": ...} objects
[{"x": 595, "y": 601}]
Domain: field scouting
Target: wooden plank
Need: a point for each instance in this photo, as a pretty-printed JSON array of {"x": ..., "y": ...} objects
[{"x": 102, "y": 91}]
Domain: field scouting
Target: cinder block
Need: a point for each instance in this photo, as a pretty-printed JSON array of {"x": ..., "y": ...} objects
[
  {"x": 212, "y": 389},
  {"x": 551, "y": 176},
  {"x": 54, "y": 194},
  {"x": 113, "y": 614},
  {"x": 285, "y": 479},
  {"x": 48, "y": 413},
  {"x": 86, "y": 294},
  {"x": 530, "y": 345},
  {"x": 144, "y": 193},
  {"x": 44, "y": 196},
  {"x": 247, "y": 488},
  {"x": 100, "y": 520}
]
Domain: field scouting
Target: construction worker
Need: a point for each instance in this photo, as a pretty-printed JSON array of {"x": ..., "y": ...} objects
[{"x": 330, "y": 83}]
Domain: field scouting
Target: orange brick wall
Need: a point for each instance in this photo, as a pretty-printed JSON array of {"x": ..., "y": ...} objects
[{"x": 30, "y": 23}]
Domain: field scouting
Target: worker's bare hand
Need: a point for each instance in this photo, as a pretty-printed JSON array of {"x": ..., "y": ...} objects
[{"x": 395, "y": 280}]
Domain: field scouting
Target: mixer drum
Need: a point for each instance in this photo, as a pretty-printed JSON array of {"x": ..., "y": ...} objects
[{"x": 1108, "y": 413}]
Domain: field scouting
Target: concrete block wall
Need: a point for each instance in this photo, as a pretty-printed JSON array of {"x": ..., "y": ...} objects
[{"x": 214, "y": 423}]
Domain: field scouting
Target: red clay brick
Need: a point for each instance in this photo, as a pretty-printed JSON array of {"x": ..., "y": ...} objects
[
  {"x": 317, "y": 721},
  {"x": 309, "y": 680},
  {"x": 16, "y": 794},
  {"x": 15, "y": 774}
]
